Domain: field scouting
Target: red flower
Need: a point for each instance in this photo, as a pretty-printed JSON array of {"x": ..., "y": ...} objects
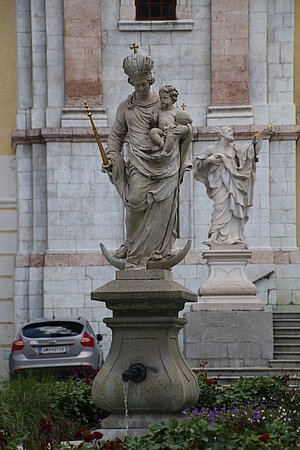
[
  {"x": 80, "y": 432},
  {"x": 113, "y": 445},
  {"x": 94, "y": 435},
  {"x": 209, "y": 382},
  {"x": 89, "y": 437},
  {"x": 97, "y": 435},
  {"x": 264, "y": 437}
]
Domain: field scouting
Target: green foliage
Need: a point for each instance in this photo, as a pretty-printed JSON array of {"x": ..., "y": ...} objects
[
  {"x": 199, "y": 434},
  {"x": 252, "y": 413},
  {"x": 73, "y": 399},
  {"x": 279, "y": 399},
  {"x": 25, "y": 402}
]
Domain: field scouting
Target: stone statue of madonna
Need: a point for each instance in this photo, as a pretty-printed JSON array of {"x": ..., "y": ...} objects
[{"x": 148, "y": 182}]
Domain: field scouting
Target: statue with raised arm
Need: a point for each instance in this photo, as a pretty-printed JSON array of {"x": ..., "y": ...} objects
[
  {"x": 227, "y": 170},
  {"x": 148, "y": 181}
]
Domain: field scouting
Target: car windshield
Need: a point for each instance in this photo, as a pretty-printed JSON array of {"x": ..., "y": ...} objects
[{"x": 52, "y": 329}]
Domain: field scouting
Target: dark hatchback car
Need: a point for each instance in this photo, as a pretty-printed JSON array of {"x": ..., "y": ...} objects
[{"x": 56, "y": 345}]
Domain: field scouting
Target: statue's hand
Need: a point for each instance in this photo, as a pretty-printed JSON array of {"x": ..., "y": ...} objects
[
  {"x": 215, "y": 159},
  {"x": 107, "y": 168}
]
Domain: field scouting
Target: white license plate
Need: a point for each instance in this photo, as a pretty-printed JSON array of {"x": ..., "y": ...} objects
[{"x": 47, "y": 350}]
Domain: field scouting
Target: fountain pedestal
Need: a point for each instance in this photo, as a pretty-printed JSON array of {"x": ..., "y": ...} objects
[{"x": 145, "y": 326}]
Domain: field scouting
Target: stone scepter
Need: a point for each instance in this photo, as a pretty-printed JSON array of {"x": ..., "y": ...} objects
[{"x": 102, "y": 151}]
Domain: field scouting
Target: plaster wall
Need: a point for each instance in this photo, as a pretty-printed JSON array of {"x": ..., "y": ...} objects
[
  {"x": 297, "y": 103},
  {"x": 8, "y": 212}
]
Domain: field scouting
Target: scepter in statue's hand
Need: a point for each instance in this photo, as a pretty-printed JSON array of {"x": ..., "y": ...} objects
[
  {"x": 106, "y": 162},
  {"x": 257, "y": 140}
]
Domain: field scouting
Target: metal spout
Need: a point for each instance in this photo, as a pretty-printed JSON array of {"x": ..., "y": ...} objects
[{"x": 136, "y": 373}]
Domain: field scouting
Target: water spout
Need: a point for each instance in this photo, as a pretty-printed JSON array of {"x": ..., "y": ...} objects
[{"x": 136, "y": 373}]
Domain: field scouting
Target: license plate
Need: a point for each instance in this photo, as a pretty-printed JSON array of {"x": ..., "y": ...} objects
[{"x": 47, "y": 350}]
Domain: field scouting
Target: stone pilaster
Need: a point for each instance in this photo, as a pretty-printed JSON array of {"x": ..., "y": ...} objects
[
  {"x": 229, "y": 63},
  {"x": 82, "y": 44}
]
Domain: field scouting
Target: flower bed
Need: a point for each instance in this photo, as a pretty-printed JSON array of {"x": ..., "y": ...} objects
[{"x": 252, "y": 413}]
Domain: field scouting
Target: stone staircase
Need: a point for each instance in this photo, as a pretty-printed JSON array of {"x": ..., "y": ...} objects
[
  {"x": 286, "y": 355},
  {"x": 286, "y": 336}
]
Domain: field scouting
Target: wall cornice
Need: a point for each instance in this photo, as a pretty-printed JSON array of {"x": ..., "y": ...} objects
[{"x": 85, "y": 134}]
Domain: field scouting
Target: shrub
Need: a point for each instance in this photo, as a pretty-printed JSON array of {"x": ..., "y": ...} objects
[{"x": 35, "y": 405}]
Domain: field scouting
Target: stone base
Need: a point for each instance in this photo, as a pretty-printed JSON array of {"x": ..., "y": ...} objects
[
  {"x": 227, "y": 286},
  {"x": 229, "y": 338},
  {"x": 145, "y": 326},
  {"x": 77, "y": 117},
  {"x": 230, "y": 115},
  {"x": 225, "y": 303},
  {"x": 120, "y": 426}
]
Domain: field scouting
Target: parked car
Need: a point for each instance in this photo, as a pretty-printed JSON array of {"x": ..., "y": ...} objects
[{"x": 56, "y": 345}]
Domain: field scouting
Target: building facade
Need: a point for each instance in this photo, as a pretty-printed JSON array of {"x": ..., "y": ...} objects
[{"x": 233, "y": 62}]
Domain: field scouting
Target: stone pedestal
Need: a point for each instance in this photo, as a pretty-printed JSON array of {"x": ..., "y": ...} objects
[
  {"x": 229, "y": 338},
  {"x": 228, "y": 327},
  {"x": 145, "y": 326},
  {"x": 227, "y": 287}
]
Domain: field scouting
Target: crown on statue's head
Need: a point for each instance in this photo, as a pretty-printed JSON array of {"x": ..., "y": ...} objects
[{"x": 138, "y": 67}]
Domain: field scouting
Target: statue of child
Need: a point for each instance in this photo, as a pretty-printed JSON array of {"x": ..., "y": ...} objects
[{"x": 170, "y": 122}]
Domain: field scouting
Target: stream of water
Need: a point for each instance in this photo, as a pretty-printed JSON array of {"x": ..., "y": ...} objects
[{"x": 125, "y": 396}]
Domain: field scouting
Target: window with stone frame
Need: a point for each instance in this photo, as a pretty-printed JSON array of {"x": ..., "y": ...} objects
[
  {"x": 155, "y": 9},
  {"x": 155, "y": 15}
]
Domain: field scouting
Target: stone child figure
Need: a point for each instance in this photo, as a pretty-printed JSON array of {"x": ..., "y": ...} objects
[
  {"x": 171, "y": 122},
  {"x": 228, "y": 171},
  {"x": 147, "y": 183}
]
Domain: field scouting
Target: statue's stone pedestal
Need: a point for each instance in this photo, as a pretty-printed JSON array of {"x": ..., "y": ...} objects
[
  {"x": 227, "y": 287},
  {"x": 228, "y": 326},
  {"x": 145, "y": 326},
  {"x": 229, "y": 338}
]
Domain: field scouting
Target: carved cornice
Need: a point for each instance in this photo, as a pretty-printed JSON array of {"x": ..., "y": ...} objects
[
  {"x": 85, "y": 134},
  {"x": 246, "y": 132},
  {"x": 65, "y": 259}
]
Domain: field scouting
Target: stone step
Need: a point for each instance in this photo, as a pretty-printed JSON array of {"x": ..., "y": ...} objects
[
  {"x": 226, "y": 375},
  {"x": 286, "y": 339},
  {"x": 285, "y": 364},
  {"x": 227, "y": 380},
  {"x": 286, "y": 355},
  {"x": 287, "y": 315},
  {"x": 286, "y": 323},
  {"x": 247, "y": 371},
  {"x": 289, "y": 331},
  {"x": 286, "y": 348}
]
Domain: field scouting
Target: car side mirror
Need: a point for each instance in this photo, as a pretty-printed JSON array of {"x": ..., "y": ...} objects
[{"x": 99, "y": 337}]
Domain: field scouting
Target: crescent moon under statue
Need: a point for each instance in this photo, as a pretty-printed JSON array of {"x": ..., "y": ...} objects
[{"x": 166, "y": 263}]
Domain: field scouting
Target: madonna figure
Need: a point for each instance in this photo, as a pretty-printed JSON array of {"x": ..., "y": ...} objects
[{"x": 148, "y": 182}]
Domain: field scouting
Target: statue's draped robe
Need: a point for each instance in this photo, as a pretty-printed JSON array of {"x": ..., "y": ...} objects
[
  {"x": 148, "y": 183},
  {"x": 230, "y": 186}
]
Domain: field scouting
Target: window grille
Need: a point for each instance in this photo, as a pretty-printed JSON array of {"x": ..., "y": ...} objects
[{"x": 155, "y": 9}]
